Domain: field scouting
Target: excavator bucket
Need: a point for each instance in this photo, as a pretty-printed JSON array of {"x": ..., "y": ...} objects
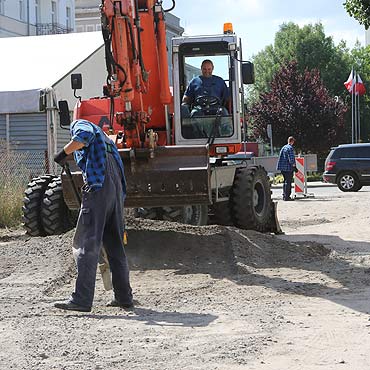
[{"x": 166, "y": 176}]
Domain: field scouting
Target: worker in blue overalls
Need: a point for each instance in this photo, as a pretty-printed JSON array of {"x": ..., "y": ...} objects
[{"x": 100, "y": 220}]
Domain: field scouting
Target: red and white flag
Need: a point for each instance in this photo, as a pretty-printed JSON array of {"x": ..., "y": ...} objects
[
  {"x": 359, "y": 87},
  {"x": 350, "y": 82},
  {"x": 354, "y": 84}
]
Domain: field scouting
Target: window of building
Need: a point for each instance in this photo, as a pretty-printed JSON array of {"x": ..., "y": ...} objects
[
  {"x": 68, "y": 17},
  {"x": 37, "y": 11},
  {"x": 54, "y": 15},
  {"x": 80, "y": 29},
  {"x": 21, "y": 10},
  {"x": 2, "y": 10}
]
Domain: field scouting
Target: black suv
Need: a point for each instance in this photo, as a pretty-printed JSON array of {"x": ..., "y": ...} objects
[{"x": 348, "y": 166}]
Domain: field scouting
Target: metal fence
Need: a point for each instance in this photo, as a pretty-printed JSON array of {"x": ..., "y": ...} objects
[
  {"x": 51, "y": 29},
  {"x": 18, "y": 168}
]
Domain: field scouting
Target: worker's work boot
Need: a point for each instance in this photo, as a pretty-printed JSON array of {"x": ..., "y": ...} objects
[
  {"x": 115, "y": 303},
  {"x": 70, "y": 306}
]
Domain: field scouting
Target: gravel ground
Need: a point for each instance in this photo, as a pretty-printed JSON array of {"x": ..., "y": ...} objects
[{"x": 205, "y": 297}]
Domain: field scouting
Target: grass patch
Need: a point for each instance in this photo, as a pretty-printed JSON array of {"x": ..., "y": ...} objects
[
  {"x": 14, "y": 176},
  {"x": 312, "y": 176},
  {"x": 11, "y": 200}
]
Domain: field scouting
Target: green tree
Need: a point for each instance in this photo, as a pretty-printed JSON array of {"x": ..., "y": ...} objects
[
  {"x": 311, "y": 49},
  {"x": 360, "y": 10},
  {"x": 299, "y": 104}
]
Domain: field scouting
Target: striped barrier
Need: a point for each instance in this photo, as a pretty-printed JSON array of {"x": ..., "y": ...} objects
[{"x": 300, "y": 178}]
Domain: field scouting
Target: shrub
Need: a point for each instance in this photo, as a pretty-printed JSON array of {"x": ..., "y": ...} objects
[
  {"x": 14, "y": 177},
  {"x": 11, "y": 198}
]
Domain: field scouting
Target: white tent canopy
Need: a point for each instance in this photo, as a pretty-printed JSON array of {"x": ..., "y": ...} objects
[{"x": 34, "y": 63}]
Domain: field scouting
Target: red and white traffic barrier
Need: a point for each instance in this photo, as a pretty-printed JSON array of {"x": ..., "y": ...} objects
[
  {"x": 300, "y": 178},
  {"x": 300, "y": 181}
]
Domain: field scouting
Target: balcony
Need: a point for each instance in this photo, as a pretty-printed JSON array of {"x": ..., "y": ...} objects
[{"x": 51, "y": 29}]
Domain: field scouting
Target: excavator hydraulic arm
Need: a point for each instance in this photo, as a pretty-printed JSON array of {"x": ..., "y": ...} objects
[
  {"x": 136, "y": 58},
  {"x": 136, "y": 108}
]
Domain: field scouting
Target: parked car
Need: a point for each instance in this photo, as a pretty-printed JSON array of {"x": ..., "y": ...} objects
[{"x": 348, "y": 166}]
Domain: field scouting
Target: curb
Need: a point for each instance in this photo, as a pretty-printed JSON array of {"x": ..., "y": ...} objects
[{"x": 313, "y": 184}]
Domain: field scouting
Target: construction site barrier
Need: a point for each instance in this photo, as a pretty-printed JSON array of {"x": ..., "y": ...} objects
[
  {"x": 300, "y": 178},
  {"x": 269, "y": 163}
]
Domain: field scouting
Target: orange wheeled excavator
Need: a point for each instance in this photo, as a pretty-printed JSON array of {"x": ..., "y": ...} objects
[{"x": 173, "y": 172}]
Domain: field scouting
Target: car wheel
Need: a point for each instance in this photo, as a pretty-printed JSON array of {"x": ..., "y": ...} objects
[{"x": 347, "y": 181}]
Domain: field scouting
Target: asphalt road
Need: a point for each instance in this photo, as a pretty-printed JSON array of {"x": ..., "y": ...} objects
[{"x": 315, "y": 188}]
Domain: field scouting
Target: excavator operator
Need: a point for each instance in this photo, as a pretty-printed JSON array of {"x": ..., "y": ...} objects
[{"x": 205, "y": 94}]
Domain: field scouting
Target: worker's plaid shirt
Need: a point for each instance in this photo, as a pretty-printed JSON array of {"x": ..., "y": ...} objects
[
  {"x": 286, "y": 160},
  {"x": 92, "y": 157}
]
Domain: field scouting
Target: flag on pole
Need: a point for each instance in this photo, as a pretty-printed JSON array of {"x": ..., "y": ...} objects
[
  {"x": 350, "y": 82},
  {"x": 354, "y": 84},
  {"x": 360, "y": 87}
]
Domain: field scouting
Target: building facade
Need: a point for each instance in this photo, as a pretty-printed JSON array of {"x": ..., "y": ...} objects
[
  {"x": 36, "y": 17},
  {"x": 87, "y": 15}
]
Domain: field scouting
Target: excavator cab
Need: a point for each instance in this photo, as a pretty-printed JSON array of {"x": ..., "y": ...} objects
[{"x": 210, "y": 119}]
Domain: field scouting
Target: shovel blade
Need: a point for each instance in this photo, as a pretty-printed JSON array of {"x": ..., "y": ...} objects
[{"x": 167, "y": 176}]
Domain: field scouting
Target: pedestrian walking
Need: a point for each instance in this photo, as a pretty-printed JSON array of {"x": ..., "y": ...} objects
[
  {"x": 286, "y": 165},
  {"x": 100, "y": 221}
]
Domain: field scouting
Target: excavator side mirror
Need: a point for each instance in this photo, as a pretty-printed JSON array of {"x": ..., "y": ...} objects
[
  {"x": 248, "y": 73},
  {"x": 76, "y": 81},
  {"x": 64, "y": 117}
]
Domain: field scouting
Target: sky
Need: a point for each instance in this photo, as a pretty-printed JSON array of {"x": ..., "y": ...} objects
[{"x": 257, "y": 21}]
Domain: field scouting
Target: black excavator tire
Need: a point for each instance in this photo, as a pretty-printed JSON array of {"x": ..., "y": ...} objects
[
  {"x": 147, "y": 213},
  {"x": 196, "y": 215},
  {"x": 55, "y": 216},
  {"x": 222, "y": 214},
  {"x": 251, "y": 203},
  {"x": 32, "y": 205}
]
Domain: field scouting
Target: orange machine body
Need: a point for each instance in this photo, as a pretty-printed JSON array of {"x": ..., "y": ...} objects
[{"x": 137, "y": 88}]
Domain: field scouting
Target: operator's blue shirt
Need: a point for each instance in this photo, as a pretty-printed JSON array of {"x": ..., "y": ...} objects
[
  {"x": 286, "y": 160},
  {"x": 210, "y": 86},
  {"x": 92, "y": 157}
]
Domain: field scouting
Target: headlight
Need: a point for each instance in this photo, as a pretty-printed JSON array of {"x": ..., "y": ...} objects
[{"x": 221, "y": 149}]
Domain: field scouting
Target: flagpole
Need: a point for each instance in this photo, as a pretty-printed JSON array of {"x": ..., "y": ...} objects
[
  {"x": 356, "y": 88},
  {"x": 359, "y": 120},
  {"x": 355, "y": 107},
  {"x": 352, "y": 112}
]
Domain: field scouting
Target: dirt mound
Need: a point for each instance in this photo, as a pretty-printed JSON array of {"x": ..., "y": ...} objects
[
  {"x": 48, "y": 260},
  {"x": 257, "y": 250},
  {"x": 216, "y": 250},
  {"x": 221, "y": 252}
]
